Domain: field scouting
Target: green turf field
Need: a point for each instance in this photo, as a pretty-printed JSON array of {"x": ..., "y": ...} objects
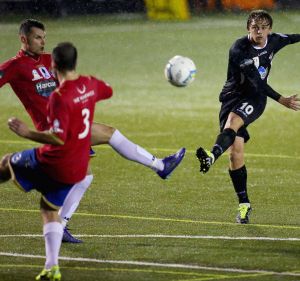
[{"x": 136, "y": 226}]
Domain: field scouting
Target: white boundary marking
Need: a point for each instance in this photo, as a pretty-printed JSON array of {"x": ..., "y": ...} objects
[
  {"x": 162, "y": 236},
  {"x": 155, "y": 264}
]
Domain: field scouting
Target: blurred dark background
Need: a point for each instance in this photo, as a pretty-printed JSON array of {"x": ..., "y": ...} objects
[{"x": 75, "y": 7}]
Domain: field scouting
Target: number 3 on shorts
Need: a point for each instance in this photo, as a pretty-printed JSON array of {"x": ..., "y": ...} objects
[
  {"x": 86, "y": 122},
  {"x": 247, "y": 108}
]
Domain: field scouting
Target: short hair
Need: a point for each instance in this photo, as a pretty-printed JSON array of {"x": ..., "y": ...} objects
[
  {"x": 64, "y": 55},
  {"x": 259, "y": 15},
  {"x": 26, "y": 25}
]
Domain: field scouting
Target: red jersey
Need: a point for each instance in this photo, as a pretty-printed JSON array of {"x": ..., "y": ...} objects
[
  {"x": 32, "y": 81},
  {"x": 70, "y": 115}
]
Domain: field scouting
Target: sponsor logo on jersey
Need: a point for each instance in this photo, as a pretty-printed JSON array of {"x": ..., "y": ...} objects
[
  {"x": 263, "y": 72},
  {"x": 81, "y": 91},
  {"x": 36, "y": 75},
  {"x": 84, "y": 97},
  {"x": 262, "y": 53},
  {"x": 45, "y": 88}
]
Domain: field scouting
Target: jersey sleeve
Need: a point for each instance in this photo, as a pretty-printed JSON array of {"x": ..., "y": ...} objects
[
  {"x": 6, "y": 72},
  {"x": 285, "y": 39},
  {"x": 247, "y": 67},
  {"x": 58, "y": 116},
  {"x": 104, "y": 90}
]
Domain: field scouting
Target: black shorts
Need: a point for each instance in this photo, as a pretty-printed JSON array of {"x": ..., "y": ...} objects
[{"x": 249, "y": 109}]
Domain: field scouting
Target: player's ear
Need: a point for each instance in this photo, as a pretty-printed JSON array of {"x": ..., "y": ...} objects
[{"x": 23, "y": 39}]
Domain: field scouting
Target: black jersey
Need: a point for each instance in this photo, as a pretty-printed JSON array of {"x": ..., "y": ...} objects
[{"x": 249, "y": 67}]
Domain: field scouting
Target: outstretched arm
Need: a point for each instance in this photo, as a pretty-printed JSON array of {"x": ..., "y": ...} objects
[
  {"x": 21, "y": 129},
  {"x": 291, "y": 102}
]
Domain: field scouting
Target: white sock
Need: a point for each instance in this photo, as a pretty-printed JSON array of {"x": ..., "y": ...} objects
[
  {"x": 73, "y": 198},
  {"x": 134, "y": 152},
  {"x": 53, "y": 232}
]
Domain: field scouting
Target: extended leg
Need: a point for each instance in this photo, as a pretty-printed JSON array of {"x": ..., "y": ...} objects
[
  {"x": 224, "y": 140},
  {"x": 102, "y": 134}
]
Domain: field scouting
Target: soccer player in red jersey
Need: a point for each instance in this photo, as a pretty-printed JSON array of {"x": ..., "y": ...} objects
[
  {"x": 30, "y": 76},
  {"x": 62, "y": 161}
]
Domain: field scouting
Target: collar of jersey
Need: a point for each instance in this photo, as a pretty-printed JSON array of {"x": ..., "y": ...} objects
[{"x": 258, "y": 48}]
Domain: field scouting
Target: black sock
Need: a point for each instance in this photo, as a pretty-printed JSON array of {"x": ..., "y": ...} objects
[
  {"x": 223, "y": 142},
  {"x": 239, "y": 180}
]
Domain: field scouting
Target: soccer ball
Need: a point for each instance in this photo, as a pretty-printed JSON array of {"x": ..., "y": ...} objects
[{"x": 180, "y": 71}]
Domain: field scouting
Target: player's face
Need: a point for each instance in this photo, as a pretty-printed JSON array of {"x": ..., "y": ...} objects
[
  {"x": 259, "y": 31},
  {"x": 34, "y": 42}
]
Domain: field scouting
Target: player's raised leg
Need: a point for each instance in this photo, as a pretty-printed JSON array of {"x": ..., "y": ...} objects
[
  {"x": 163, "y": 167},
  {"x": 224, "y": 140},
  {"x": 104, "y": 134}
]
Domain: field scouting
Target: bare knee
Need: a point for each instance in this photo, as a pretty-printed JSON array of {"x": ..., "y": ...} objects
[
  {"x": 48, "y": 213},
  {"x": 101, "y": 134}
]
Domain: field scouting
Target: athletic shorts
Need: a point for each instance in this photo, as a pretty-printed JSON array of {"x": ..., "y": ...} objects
[
  {"x": 26, "y": 173},
  {"x": 249, "y": 109}
]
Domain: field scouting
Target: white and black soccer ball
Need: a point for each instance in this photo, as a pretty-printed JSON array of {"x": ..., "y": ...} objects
[{"x": 180, "y": 71}]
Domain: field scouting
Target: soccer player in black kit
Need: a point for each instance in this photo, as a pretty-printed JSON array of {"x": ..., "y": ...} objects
[{"x": 244, "y": 98}]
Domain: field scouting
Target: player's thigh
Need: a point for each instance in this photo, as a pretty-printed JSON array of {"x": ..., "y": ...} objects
[
  {"x": 234, "y": 122},
  {"x": 250, "y": 109},
  {"x": 101, "y": 133}
]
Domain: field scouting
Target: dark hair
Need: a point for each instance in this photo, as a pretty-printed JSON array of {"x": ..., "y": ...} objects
[
  {"x": 259, "y": 15},
  {"x": 64, "y": 56},
  {"x": 26, "y": 25}
]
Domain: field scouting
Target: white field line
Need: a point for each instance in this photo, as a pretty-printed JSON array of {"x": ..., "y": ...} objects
[
  {"x": 161, "y": 236},
  {"x": 155, "y": 264}
]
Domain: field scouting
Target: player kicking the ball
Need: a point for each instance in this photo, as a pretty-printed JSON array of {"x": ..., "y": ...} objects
[
  {"x": 62, "y": 161},
  {"x": 29, "y": 74},
  {"x": 244, "y": 98}
]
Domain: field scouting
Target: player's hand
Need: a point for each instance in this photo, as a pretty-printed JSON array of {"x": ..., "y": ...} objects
[
  {"x": 18, "y": 127},
  {"x": 292, "y": 102}
]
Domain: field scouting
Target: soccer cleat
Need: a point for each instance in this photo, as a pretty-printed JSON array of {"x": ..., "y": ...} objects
[
  {"x": 69, "y": 238},
  {"x": 170, "y": 163},
  {"x": 244, "y": 211},
  {"x": 52, "y": 274},
  {"x": 206, "y": 159}
]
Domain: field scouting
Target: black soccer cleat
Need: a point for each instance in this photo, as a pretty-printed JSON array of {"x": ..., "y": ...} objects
[{"x": 206, "y": 159}]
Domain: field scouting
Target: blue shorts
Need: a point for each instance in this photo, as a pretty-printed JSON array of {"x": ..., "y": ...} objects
[{"x": 26, "y": 173}]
